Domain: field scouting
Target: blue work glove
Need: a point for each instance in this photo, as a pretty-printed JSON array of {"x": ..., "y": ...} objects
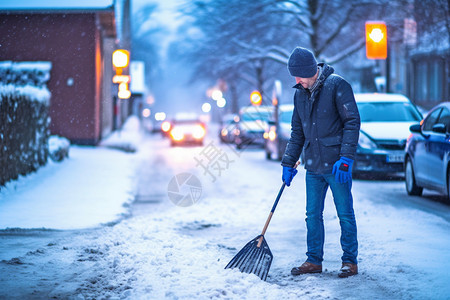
[
  {"x": 343, "y": 169},
  {"x": 288, "y": 174}
]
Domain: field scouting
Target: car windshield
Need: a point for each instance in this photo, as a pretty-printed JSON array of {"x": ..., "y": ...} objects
[
  {"x": 259, "y": 115},
  {"x": 286, "y": 116},
  {"x": 388, "y": 112}
]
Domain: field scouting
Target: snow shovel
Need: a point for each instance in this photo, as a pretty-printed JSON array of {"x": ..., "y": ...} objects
[{"x": 256, "y": 256}]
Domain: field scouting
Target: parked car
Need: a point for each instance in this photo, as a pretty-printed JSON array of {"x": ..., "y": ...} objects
[
  {"x": 277, "y": 134},
  {"x": 227, "y": 128},
  {"x": 187, "y": 130},
  {"x": 157, "y": 120},
  {"x": 253, "y": 121},
  {"x": 385, "y": 122},
  {"x": 427, "y": 159}
]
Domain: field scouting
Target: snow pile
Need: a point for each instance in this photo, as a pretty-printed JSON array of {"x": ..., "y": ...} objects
[
  {"x": 90, "y": 188},
  {"x": 127, "y": 138},
  {"x": 58, "y": 147}
]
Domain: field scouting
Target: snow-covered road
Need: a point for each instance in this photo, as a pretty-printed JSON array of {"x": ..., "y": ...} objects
[{"x": 164, "y": 251}]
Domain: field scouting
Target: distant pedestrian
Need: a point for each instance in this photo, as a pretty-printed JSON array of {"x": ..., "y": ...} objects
[{"x": 325, "y": 127}]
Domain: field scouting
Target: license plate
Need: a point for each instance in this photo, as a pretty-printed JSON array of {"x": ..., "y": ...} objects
[{"x": 395, "y": 158}]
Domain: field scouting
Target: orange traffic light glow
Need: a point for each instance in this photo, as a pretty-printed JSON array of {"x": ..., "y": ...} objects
[
  {"x": 256, "y": 98},
  {"x": 376, "y": 40}
]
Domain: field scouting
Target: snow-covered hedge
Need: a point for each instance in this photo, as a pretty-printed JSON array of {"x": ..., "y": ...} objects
[
  {"x": 58, "y": 147},
  {"x": 24, "y": 102}
]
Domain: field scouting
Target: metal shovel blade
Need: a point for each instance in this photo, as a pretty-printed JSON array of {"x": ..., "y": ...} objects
[{"x": 253, "y": 259}]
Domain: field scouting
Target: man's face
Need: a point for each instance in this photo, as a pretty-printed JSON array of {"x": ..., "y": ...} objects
[{"x": 307, "y": 82}]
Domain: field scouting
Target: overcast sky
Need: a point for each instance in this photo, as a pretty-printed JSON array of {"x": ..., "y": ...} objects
[{"x": 166, "y": 13}]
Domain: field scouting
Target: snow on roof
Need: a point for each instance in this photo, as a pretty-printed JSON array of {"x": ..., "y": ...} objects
[
  {"x": 54, "y": 4},
  {"x": 371, "y": 97}
]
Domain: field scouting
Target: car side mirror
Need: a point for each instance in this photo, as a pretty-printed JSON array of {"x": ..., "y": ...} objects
[
  {"x": 415, "y": 128},
  {"x": 439, "y": 128}
]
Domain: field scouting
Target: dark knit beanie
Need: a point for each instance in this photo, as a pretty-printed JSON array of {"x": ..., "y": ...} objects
[{"x": 302, "y": 63}]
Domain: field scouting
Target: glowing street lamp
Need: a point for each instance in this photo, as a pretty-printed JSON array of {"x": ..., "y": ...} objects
[
  {"x": 120, "y": 58},
  {"x": 206, "y": 107},
  {"x": 160, "y": 116},
  {"x": 217, "y": 95},
  {"x": 146, "y": 113},
  {"x": 124, "y": 92},
  {"x": 221, "y": 102}
]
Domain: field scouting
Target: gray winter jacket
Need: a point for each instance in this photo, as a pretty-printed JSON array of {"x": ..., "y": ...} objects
[{"x": 325, "y": 124}]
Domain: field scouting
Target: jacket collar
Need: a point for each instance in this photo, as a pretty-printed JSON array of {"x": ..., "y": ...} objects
[{"x": 326, "y": 71}]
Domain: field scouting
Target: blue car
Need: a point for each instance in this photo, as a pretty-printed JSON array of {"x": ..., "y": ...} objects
[{"x": 427, "y": 158}]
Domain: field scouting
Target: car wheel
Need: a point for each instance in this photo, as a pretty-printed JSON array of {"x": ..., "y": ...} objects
[
  {"x": 268, "y": 155},
  {"x": 410, "y": 181}
]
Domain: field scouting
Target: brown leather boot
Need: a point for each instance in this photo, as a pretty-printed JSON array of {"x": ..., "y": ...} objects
[
  {"x": 306, "y": 268},
  {"x": 347, "y": 270}
]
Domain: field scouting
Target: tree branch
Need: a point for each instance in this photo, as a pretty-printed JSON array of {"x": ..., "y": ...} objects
[
  {"x": 347, "y": 52},
  {"x": 336, "y": 32}
]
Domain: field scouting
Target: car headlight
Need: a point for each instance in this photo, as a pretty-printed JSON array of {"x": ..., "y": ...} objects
[
  {"x": 224, "y": 132},
  {"x": 165, "y": 126},
  {"x": 365, "y": 142},
  {"x": 199, "y": 132},
  {"x": 177, "y": 134}
]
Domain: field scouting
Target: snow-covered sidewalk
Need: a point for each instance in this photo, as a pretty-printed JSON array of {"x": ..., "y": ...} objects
[{"x": 91, "y": 187}]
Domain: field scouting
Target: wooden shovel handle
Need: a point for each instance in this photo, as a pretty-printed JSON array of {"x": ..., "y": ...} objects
[{"x": 273, "y": 209}]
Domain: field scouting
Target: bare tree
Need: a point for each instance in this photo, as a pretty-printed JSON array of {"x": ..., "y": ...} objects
[
  {"x": 244, "y": 40},
  {"x": 433, "y": 22},
  {"x": 146, "y": 34}
]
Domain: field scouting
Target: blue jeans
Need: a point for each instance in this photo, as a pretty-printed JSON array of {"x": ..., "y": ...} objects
[{"x": 316, "y": 189}]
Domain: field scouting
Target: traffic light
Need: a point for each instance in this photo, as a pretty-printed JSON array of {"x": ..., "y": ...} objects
[
  {"x": 376, "y": 40},
  {"x": 256, "y": 98}
]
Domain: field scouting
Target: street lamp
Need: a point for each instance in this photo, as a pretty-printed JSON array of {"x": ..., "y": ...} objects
[
  {"x": 216, "y": 95},
  {"x": 206, "y": 107},
  {"x": 120, "y": 58},
  {"x": 221, "y": 102}
]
